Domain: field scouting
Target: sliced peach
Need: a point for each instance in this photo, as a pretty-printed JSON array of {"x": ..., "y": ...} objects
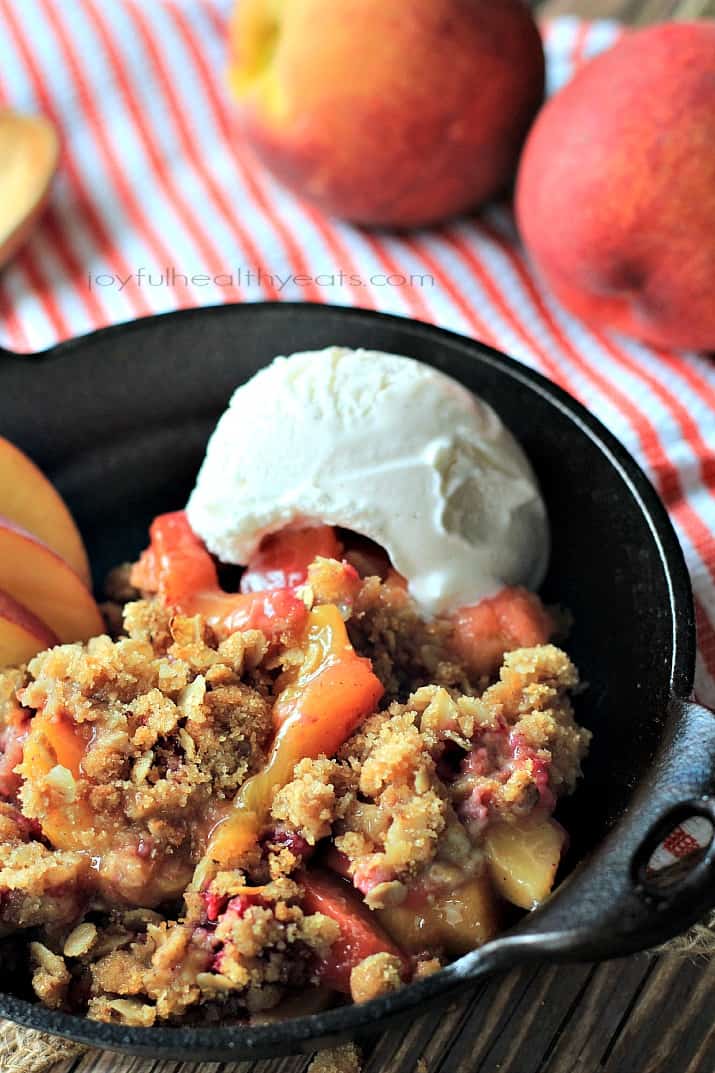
[
  {"x": 484, "y": 632},
  {"x": 321, "y": 703},
  {"x": 57, "y": 746},
  {"x": 29, "y": 151},
  {"x": 52, "y": 756},
  {"x": 35, "y": 576},
  {"x": 22, "y": 634},
  {"x": 360, "y": 933},
  {"x": 177, "y": 566},
  {"x": 283, "y": 558},
  {"x": 523, "y": 859},
  {"x": 457, "y": 921},
  {"x": 29, "y": 500}
]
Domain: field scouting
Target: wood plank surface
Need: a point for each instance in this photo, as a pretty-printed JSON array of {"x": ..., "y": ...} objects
[
  {"x": 640, "y": 1015},
  {"x": 637, "y": 12}
]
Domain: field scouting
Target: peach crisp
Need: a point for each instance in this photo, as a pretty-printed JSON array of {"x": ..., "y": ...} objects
[{"x": 277, "y": 798}]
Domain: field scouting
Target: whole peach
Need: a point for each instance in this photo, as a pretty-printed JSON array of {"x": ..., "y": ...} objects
[
  {"x": 388, "y": 112},
  {"x": 616, "y": 188}
]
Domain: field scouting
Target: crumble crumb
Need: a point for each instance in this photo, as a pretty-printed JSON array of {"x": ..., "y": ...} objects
[
  {"x": 119, "y": 756},
  {"x": 345, "y": 1059},
  {"x": 375, "y": 976}
]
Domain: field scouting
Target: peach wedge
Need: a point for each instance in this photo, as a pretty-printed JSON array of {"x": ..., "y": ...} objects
[
  {"x": 458, "y": 921},
  {"x": 523, "y": 859},
  {"x": 22, "y": 634},
  {"x": 29, "y": 500},
  {"x": 36, "y": 577}
]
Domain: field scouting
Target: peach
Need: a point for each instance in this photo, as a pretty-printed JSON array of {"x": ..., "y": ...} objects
[
  {"x": 616, "y": 189},
  {"x": 458, "y": 921},
  {"x": 22, "y": 634},
  {"x": 29, "y": 500},
  {"x": 36, "y": 577},
  {"x": 29, "y": 151},
  {"x": 523, "y": 859},
  {"x": 484, "y": 632},
  {"x": 386, "y": 112}
]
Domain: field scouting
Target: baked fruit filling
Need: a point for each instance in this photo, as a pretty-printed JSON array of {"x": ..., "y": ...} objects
[{"x": 255, "y": 803}]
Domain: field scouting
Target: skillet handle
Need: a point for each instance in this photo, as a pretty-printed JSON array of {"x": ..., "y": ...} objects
[{"x": 610, "y": 906}]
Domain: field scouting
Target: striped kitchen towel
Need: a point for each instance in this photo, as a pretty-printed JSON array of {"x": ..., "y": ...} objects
[{"x": 159, "y": 205}]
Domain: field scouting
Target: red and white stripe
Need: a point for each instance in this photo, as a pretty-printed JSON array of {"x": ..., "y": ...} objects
[{"x": 155, "y": 175}]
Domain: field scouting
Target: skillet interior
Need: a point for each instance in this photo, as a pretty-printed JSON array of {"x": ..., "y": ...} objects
[{"x": 120, "y": 420}]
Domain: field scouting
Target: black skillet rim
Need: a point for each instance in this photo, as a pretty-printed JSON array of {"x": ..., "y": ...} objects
[{"x": 351, "y": 1019}]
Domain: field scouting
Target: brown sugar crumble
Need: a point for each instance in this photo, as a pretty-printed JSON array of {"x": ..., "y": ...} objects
[
  {"x": 345, "y": 1059},
  {"x": 130, "y": 763}
]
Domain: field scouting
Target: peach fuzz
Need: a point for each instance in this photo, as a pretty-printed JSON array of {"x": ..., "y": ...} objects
[
  {"x": 385, "y": 112},
  {"x": 616, "y": 190}
]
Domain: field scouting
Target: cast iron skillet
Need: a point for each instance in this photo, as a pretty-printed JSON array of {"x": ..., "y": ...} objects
[{"x": 119, "y": 420}]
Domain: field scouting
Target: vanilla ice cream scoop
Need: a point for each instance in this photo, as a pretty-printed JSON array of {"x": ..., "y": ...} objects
[{"x": 389, "y": 448}]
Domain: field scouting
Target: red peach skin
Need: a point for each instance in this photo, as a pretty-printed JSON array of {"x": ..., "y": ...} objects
[
  {"x": 616, "y": 190},
  {"x": 29, "y": 500},
  {"x": 22, "y": 634},
  {"x": 37, "y": 578},
  {"x": 360, "y": 933},
  {"x": 387, "y": 112}
]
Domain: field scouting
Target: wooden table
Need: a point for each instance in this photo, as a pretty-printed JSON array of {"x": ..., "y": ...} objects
[{"x": 640, "y": 1015}]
